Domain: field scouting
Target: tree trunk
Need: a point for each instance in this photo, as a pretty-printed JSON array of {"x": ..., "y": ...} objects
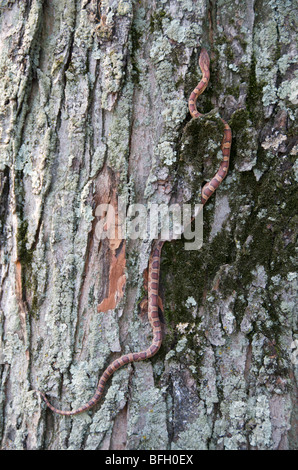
[{"x": 94, "y": 107}]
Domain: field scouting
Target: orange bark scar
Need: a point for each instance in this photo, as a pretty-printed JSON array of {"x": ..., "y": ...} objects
[
  {"x": 19, "y": 281},
  {"x": 117, "y": 281},
  {"x": 117, "y": 277},
  {"x": 21, "y": 302}
]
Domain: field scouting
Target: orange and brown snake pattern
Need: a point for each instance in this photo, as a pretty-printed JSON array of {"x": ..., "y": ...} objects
[
  {"x": 154, "y": 260},
  {"x": 212, "y": 185}
]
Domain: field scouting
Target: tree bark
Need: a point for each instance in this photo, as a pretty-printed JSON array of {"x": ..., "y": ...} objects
[{"x": 94, "y": 107}]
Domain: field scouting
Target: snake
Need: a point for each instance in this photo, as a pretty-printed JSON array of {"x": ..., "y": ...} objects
[
  {"x": 155, "y": 257},
  {"x": 209, "y": 188}
]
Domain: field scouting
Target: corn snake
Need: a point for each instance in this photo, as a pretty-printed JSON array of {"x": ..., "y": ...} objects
[{"x": 154, "y": 260}]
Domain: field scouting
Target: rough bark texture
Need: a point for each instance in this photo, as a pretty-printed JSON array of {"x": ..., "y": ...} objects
[{"x": 93, "y": 105}]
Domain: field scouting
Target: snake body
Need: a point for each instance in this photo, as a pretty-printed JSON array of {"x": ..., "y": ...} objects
[
  {"x": 153, "y": 283},
  {"x": 154, "y": 260},
  {"x": 211, "y": 186}
]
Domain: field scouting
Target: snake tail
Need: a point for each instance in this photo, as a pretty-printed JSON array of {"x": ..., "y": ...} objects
[{"x": 153, "y": 283}]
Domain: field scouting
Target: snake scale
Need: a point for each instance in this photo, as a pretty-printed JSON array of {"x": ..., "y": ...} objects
[{"x": 154, "y": 260}]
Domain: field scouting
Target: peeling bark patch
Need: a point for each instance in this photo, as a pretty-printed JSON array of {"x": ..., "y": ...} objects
[
  {"x": 117, "y": 261},
  {"x": 22, "y": 305},
  {"x": 117, "y": 281}
]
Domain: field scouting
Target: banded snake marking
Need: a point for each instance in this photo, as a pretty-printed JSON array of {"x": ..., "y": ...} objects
[
  {"x": 212, "y": 185},
  {"x": 154, "y": 260}
]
